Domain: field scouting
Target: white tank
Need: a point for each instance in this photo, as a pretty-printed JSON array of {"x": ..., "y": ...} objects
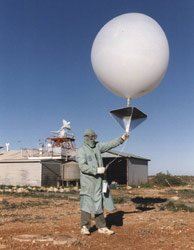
[{"x": 70, "y": 171}]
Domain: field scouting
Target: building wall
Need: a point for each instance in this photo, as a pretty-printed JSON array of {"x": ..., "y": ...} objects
[
  {"x": 20, "y": 173},
  {"x": 137, "y": 171},
  {"x": 47, "y": 173},
  {"x": 51, "y": 173}
]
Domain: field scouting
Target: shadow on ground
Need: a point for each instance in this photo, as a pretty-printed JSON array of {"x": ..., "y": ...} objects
[
  {"x": 147, "y": 203},
  {"x": 142, "y": 204},
  {"x": 116, "y": 218}
]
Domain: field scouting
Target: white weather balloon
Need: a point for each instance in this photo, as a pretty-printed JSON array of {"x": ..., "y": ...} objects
[{"x": 130, "y": 55}]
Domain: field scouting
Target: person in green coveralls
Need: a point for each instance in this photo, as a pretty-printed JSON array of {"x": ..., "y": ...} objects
[{"x": 92, "y": 199}]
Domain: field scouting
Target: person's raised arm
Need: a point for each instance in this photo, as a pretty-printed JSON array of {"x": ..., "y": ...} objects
[{"x": 105, "y": 146}]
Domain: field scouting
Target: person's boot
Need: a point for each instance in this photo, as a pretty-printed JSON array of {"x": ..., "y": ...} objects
[
  {"x": 85, "y": 231},
  {"x": 105, "y": 230}
]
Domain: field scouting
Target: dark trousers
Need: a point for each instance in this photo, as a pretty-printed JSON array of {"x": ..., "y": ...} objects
[{"x": 86, "y": 220}]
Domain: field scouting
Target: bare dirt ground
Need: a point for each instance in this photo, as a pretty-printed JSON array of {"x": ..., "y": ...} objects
[{"x": 139, "y": 223}]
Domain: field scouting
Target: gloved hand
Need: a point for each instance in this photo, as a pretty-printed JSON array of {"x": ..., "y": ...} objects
[
  {"x": 125, "y": 136},
  {"x": 100, "y": 170}
]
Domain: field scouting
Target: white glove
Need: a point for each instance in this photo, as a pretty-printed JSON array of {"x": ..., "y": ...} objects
[
  {"x": 125, "y": 136},
  {"x": 100, "y": 170}
]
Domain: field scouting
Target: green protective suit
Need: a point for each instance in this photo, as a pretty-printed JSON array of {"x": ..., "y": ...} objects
[{"x": 92, "y": 200}]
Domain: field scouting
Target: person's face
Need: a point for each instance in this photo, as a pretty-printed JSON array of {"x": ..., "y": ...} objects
[
  {"x": 92, "y": 137},
  {"x": 90, "y": 140}
]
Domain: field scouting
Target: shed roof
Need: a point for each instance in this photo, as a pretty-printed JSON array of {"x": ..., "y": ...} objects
[{"x": 113, "y": 154}]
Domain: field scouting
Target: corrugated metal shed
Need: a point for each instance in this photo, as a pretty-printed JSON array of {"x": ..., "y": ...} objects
[{"x": 126, "y": 169}]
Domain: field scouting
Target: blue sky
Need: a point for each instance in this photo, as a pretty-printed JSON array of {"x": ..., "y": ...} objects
[{"x": 46, "y": 76}]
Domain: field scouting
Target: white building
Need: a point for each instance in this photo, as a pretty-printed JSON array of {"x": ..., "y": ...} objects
[{"x": 34, "y": 168}]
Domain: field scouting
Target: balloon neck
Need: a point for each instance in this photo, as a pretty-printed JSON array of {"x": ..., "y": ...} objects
[{"x": 128, "y": 102}]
